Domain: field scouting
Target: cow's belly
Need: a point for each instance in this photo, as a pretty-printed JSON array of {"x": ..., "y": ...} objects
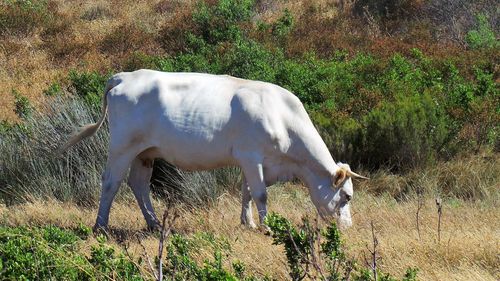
[{"x": 193, "y": 153}]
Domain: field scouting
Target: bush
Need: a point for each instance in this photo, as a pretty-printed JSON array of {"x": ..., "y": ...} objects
[
  {"x": 128, "y": 38},
  {"x": 483, "y": 36},
  {"x": 88, "y": 85},
  {"x": 40, "y": 254},
  {"x": 22, "y": 106},
  {"x": 250, "y": 60},
  {"x": 180, "y": 265},
  {"x": 50, "y": 253},
  {"x": 53, "y": 253},
  {"x": 404, "y": 134},
  {"x": 220, "y": 22},
  {"x": 301, "y": 78}
]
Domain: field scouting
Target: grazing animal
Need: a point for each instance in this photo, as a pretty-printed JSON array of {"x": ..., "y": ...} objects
[{"x": 200, "y": 121}]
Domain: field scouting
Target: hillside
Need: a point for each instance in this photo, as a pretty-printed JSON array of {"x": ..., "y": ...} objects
[{"x": 405, "y": 91}]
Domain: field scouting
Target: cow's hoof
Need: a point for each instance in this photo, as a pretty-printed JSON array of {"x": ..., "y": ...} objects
[
  {"x": 100, "y": 230},
  {"x": 249, "y": 224},
  {"x": 154, "y": 227},
  {"x": 265, "y": 229},
  {"x": 252, "y": 225}
]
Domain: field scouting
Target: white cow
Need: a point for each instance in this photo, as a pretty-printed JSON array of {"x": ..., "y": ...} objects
[{"x": 199, "y": 122}]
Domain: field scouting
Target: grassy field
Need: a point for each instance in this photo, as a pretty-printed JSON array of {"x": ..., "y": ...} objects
[{"x": 468, "y": 250}]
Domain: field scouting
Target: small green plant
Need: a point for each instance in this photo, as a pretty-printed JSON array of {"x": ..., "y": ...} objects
[
  {"x": 283, "y": 25},
  {"x": 220, "y": 22},
  {"x": 108, "y": 264},
  {"x": 53, "y": 90},
  {"x": 483, "y": 36},
  {"x": 179, "y": 264},
  {"x": 22, "y": 106},
  {"x": 305, "y": 258}
]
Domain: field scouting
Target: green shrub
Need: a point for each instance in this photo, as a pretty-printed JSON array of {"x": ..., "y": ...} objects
[
  {"x": 51, "y": 253},
  {"x": 297, "y": 243},
  {"x": 22, "y": 106},
  {"x": 404, "y": 134},
  {"x": 250, "y": 60},
  {"x": 37, "y": 254},
  {"x": 301, "y": 78},
  {"x": 109, "y": 265},
  {"x": 220, "y": 22},
  {"x": 180, "y": 265},
  {"x": 483, "y": 36},
  {"x": 88, "y": 85},
  {"x": 284, "y": 25},
  {"x": 53, "y": 90}
]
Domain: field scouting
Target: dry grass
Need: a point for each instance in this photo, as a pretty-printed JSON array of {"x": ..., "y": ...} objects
[
  {"x": 469, "y": 247},
  {"x": 30, "y": 62}
]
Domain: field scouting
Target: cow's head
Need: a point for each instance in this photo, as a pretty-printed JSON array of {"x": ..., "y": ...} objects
[{"x": 334, "y": 201}]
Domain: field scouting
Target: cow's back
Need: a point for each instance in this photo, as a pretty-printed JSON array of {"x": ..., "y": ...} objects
[{"x": 196, "y": 121}]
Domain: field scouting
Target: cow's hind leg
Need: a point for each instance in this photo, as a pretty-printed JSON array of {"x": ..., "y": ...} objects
[
  {"x": 246, "y": 205},
  {"x": 116, "y": 169},
  {"x": 139, "y": 179}
]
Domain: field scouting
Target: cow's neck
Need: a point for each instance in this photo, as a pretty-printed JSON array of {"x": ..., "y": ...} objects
[{"x": 315, "y": 156}]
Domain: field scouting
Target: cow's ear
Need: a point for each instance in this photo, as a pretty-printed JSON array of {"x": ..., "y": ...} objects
[{"x": 340, "y": 176}]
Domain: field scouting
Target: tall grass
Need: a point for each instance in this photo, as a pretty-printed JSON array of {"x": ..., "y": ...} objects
[
  {"x": 31, "y": 168},
  {"x": 472, "y": 178}
]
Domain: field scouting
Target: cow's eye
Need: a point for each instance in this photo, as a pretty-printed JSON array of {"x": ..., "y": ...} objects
[{"x": 348, "y": 197}]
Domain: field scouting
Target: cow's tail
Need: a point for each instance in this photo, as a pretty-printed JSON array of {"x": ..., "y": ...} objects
[{"x": 90, "y": 129}]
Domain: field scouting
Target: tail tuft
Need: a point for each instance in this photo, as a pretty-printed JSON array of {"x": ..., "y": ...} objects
[{"x": 84, "y": 132}]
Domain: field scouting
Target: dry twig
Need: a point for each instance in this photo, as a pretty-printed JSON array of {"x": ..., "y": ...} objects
[
  {"x": 419, "y": 207},
  {"x": 373, "y": 253},
  {"x": 439, "y": 206},
  {"x": 145, "y": 253}
]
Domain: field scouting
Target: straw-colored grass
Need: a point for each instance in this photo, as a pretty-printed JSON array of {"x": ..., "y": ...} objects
[{"x": 469, "y": 247}]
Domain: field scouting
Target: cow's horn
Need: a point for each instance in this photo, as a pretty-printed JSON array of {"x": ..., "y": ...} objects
[{"x": 356, "y": 176}]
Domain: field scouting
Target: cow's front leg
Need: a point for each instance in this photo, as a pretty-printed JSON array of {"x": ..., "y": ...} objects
[
  {"x": 246, "y": 205},
  {"x": 254, "y": 174}
]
